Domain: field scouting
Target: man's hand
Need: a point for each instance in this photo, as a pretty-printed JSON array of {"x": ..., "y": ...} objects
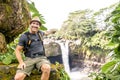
[
  {"x": 51, "y": 31},
  {"x": 22, "y": 65}
]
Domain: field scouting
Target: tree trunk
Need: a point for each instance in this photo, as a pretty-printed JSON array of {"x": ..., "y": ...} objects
[{"x": 14, "y": 19}]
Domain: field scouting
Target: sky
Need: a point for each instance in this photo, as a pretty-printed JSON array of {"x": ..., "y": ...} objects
[{"x": 55, "y": 12}]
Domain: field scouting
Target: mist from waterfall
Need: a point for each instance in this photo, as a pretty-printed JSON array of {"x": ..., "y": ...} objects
[{"x": 76, "y": 75}]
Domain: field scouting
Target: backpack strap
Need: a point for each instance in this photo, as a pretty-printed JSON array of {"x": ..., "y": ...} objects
[
  {"x": 41, "y": 38},
  {"x": 29, "y": 39}
]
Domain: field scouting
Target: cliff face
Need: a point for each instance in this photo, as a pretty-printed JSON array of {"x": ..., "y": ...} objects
[
  {"x": 77, "y": 59},
  {"x": 14, "y": 19}
]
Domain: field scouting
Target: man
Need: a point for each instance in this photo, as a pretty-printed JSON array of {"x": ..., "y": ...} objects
[{"x": 35, "y": 57}]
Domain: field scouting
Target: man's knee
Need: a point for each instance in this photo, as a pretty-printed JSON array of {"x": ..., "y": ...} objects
[
  {"x": 19, "y": 76},
  {"x": 45, "y": 68}
]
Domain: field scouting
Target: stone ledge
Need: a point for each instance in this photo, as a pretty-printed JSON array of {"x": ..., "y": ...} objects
[{"x": 7, "y": 72}]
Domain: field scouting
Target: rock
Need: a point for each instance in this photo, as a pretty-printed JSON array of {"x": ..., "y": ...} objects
[{"x": 7, "y": 72}]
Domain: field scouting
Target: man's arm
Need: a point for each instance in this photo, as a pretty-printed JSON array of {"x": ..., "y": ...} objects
[
  {"x": 19, "y": 57},
  {"x": 51, "y": 31},
  {"x": 18, "y": 53}
]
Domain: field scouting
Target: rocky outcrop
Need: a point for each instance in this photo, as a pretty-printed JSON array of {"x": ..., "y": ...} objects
[
  {"x": 14, "y": 19},
  {"x": 84, "y": 60},
  {"x": 52, "y": 49},
  {"x": 7, "y": 72},
  {"x": 53, "y": 52}
]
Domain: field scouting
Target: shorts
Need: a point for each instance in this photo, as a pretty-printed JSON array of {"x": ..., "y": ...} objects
[{"x": 32, "y": 63}]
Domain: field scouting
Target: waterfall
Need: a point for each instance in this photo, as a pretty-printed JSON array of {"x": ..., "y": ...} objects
[
  {"x": 65, "y": 54},
  {"x": 77, "y": 75}
]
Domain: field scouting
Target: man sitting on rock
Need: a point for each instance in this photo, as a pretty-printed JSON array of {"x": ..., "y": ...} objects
[{"x": 34, "y": 52}]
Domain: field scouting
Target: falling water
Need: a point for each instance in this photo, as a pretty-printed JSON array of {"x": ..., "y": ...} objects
[
  {"x": 77, "y": 75},
  {"x": 64, "y": 48}
]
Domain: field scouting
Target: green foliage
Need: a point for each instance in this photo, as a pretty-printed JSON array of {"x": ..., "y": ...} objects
[
  {"x": 82, "y": 25},
  {"x": 63, "y": 74},
  {"x": 9, "y": 57},
  {"x": 103, "y": 76},
  {"x": 79, "y": 25},
  {"x": 115, "y": 41},
  {"x": 111, "y": 70},
  {"x": 35, "y": 12},
  {"x": 108, "y": 67},
  {"x": 98, "y": 39}
]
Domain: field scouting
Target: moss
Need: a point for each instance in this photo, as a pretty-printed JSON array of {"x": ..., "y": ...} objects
[
  {"x": 15, "y": 17},
  {"x": 8, "y": 9}
]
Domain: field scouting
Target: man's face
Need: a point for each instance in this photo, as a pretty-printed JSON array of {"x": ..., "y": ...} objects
[{"x": 34, "y": 26}]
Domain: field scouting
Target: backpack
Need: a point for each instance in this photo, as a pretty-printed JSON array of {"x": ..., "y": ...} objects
[{"x": 30, "y": 41}]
